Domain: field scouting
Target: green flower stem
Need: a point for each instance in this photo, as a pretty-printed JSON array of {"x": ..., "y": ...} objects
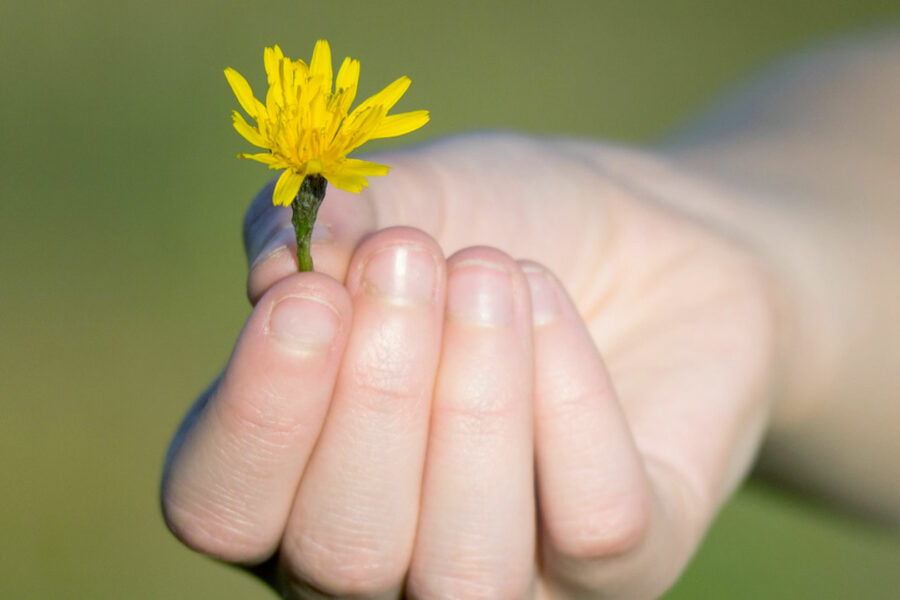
[{"x": 305, "y": 208}]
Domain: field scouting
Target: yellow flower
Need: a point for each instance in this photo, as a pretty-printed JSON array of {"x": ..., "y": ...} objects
[{"x": 307, "y": 126}]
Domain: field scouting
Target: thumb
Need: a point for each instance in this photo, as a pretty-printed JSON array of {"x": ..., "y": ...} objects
[
  {"x": 525, "y": 196},
  {"x": 344, "y": 220}
]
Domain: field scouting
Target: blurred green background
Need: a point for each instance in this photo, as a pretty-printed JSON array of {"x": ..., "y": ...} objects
[{"x": 122, "y": 276}]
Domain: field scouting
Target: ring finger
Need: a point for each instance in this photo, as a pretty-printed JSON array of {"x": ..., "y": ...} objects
[{"x": 476, "y": 531}]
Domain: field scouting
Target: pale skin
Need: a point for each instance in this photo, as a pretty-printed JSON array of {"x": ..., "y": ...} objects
[{"x": 537, "y": 368}]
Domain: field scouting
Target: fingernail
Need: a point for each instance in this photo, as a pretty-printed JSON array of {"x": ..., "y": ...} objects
[
  {"x": 545, "y": 306},
  {"x": 321, "y": 232},
  {"x": 279, "y": 241},
  {"x": 304, "y": 323},
  {"x": 480, "y": 293},
  {"x": 401, "y": 274}
]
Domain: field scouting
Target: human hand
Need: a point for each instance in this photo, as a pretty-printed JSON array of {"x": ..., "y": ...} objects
[{"x": 376, "y": 447}]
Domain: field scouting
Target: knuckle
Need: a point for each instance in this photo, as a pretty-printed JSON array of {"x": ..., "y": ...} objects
[
  {"x": 264, "y": 416},
  {"x": 603, "y": 531},
  {"x": 474, "y": 583},
  {"x": 569, "y": 404},
  {"x": 343, "y": 568},
  {"x": 479, "y": 416},
  {"x": 468, "y": 422},
  {"x": 687, "y": 502},
  {"x": 388, "y": 379},
  {"x": 385, "y": 397},
  {"x": 477, "y": 395},
  {"x": 218, "y": 531}
]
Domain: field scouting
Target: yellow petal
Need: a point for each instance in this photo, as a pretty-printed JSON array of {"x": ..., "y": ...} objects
[
  {"x": 274, "y": 100},
  {"x": 306, "y": 124},
  {"x": 250, "y": 133},
  {"x": 347, "y": 81},
  {"x": 287, "y": 82},
  {"x": 362, "y": 128},
  {"x": 364, "y": 168},
  {"x": 242, "y": 90},
  {"x": 387, "y": 97},
  {"x": 266, "y": 158},
  {"x": 272, "y": 59},
  {"x": 394, "y": 125},
  {"x": 287, "y": 187},
  {"x": 320, "y": 64},
  {"x": 301, "y": 70},
  {"x": 348, "y": 183},
  {"x": 317, "y": 112}
]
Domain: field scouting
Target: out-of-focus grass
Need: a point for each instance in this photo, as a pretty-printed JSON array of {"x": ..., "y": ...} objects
[{"x": 122, "y": 274}]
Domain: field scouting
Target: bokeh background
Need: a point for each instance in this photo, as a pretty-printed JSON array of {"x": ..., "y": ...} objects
[{"x": 122, "y": 275}]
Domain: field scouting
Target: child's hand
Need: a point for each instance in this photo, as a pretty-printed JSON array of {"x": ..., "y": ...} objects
[{"x": 446, "y": 428}]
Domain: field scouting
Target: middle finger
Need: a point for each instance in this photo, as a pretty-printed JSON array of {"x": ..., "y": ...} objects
[{"x": 476, "y": 533}]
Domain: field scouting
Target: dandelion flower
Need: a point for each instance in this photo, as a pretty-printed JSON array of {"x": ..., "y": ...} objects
[{"x": 307, "y": 128}]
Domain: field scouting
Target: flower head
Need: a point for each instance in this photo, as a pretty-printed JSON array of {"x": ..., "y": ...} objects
[{"x": 306, "y": 124}]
